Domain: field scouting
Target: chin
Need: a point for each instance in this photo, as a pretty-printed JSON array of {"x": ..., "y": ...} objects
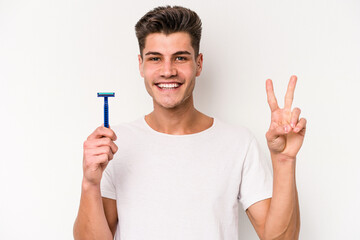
[{"x": 168, "y": 105}]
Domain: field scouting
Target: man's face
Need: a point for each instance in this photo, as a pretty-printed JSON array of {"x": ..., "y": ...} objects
[{"x": 169, "y": 68}]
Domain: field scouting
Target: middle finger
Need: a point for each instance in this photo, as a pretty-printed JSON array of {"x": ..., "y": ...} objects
[
  {"x": 289, "y": 96},
  {"x": 295, "y": 117}
]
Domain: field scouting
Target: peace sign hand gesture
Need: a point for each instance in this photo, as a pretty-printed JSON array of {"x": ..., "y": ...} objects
[{"x": 286, "y": 133}]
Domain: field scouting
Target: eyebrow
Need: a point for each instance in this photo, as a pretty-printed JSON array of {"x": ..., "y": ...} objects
[
  {"x": 177, "y": 53},
  {"x": 152, "y": 53},
  {"x": 182, "y": 53}
]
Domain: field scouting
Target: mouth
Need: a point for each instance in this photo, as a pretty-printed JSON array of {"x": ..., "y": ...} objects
[{"x": 168, "y": 86}]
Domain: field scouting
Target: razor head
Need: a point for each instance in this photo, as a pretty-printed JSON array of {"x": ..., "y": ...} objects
[{"x": 106, "y": 94}]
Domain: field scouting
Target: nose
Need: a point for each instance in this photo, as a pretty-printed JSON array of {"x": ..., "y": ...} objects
[{"x": 168, "y": 70}]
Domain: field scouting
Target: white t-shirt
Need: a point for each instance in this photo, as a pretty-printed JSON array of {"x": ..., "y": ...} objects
[{"x": 176, "y": 187}]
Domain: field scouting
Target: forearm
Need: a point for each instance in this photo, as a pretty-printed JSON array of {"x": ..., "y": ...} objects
[
  {"x": 91, "y": 223},
  {"x": 283, "y": 218}
]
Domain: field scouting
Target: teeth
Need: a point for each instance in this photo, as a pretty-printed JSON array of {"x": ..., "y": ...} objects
[{"x": 171, "y": 85}]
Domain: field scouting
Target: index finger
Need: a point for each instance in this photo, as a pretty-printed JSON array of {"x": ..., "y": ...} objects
[
  {"x": 289, "y": 96},
  {"x": 103, "y": 132},
  {"x": 271, "y": 96}
]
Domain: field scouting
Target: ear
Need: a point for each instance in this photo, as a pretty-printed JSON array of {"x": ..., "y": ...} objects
[
  {"x": 141, "y": 65},
  {"x": 199, "y": 64}
]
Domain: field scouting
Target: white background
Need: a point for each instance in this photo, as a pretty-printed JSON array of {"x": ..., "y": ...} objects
[{"x": 56, "y": 55}]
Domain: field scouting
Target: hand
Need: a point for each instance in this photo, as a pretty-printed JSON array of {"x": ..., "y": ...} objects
[
  {"x": 99, "y": 149},
  {"x": 286, "y": 133}
]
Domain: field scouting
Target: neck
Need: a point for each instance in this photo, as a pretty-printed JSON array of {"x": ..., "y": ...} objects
[{"x": 180, "y": 120}]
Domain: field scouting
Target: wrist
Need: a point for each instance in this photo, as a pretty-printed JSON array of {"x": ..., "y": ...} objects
[
  {"x": 87, "y": 185},
  {"x": 281, "y": 160},
  {"x": 279, "y": 157}
]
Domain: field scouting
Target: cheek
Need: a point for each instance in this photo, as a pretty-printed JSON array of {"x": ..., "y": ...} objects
[
  {"x": 188, "y": 73},
  {"x": 149, "y": 71},
  {"x": 149, "y": 77},
  {"x": 148, "y": 87}
]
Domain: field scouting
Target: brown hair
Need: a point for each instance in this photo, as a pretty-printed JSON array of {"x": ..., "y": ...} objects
[{"x": 169, "y": 20}]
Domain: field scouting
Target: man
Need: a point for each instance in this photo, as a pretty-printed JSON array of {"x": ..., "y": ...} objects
[{"x": 180, "y": 174}]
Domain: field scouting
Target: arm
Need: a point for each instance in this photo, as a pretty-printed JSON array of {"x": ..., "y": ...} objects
[
  {"x": 91, "y": 222},
  {"x": 111, "y": 213},
  {"x": 283, "y": 218},
  {"x": 279, "y": 217},
  {"x": 97, "y": 217}
]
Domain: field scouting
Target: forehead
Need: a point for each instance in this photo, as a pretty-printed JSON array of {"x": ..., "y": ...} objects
[{"x": 168, "y": 44}]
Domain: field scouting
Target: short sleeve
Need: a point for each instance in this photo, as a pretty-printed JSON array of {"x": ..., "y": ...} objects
[
  {"x": 256, "y": 180},
  {"x": 107, "y": 185}
]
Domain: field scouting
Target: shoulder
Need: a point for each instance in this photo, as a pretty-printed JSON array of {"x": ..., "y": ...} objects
[
  {"x": 128, "y": 132},
  {"x": 128, "y": 127},
  {"x": 234, "y": 131}
]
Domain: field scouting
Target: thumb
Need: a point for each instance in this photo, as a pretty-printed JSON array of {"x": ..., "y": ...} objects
[
  {"x": 274, "y": 133},
  {"x": 104, "y": 125}
]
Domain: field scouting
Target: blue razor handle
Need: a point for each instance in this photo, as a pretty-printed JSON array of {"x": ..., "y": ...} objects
[{"x": 105, "y": 95}]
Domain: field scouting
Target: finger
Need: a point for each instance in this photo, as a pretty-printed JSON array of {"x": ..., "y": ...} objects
[
  {"x": 271, "y": 96},
  {"x": 276, "y": 132},
  {"x": 102, "y": 159},
  {"x": 107, "y": 142},
  {"x": 301, "y": 126},
  {"x": 289, "y": 96},
  {"x": 113, "y": 147},
  {"x": 103, "y": 132},
  {"x": 100, "y": 151},
  {"x": 103, "y": 142},
  {"x": 108, "y": 152},
  {"x": 104, "y": 125},
  {"x": 295, "y": 117}
]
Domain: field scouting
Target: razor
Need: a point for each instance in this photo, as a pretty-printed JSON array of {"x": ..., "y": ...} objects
[{"x": 105, "y": 95}]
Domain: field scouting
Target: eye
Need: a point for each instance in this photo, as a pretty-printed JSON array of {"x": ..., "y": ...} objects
[
  {"x": 180, "y": 58},
  {"x": 154, "y": 59}
]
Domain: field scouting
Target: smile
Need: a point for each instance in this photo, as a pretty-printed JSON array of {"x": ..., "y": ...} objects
[{"x": 168, "y": 86}]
